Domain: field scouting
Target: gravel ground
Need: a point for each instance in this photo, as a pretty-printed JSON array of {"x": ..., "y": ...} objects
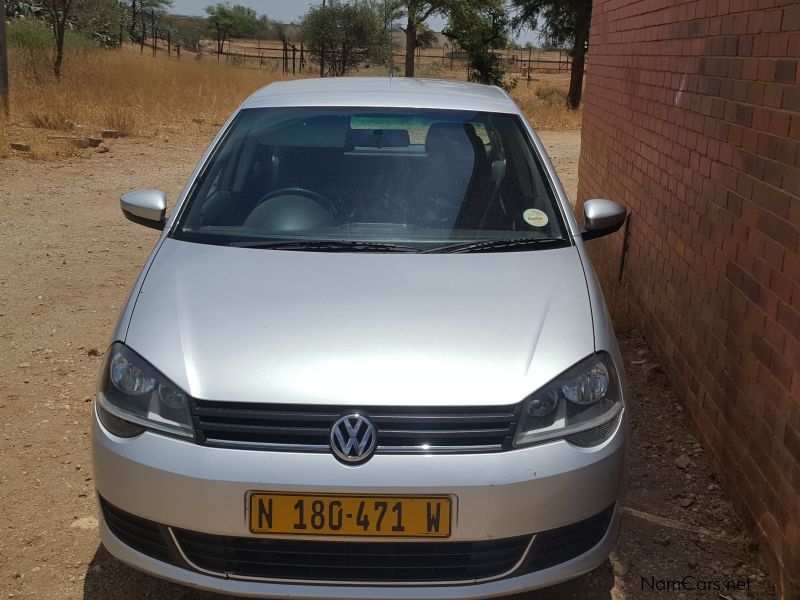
[{"x": 68, "y": 261}]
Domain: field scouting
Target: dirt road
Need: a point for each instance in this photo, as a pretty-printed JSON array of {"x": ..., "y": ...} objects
[{"x": 68, "y": 261}]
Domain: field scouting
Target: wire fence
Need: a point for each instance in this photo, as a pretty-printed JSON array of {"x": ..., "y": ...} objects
[{"x": 293, "y": 58}]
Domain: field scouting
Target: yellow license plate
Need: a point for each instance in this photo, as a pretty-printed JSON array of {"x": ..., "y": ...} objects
[{"x": 365, "y": 516}]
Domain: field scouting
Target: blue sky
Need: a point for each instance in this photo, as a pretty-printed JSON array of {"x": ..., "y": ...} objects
[
  {"x": 277, "y": 10},
  {"x": 284, "y": 11}
]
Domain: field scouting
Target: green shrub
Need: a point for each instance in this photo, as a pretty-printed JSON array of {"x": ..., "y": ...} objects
[{"x": 29, "y": 34}]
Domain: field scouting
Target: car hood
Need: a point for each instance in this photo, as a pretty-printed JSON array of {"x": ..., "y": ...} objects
[{"x": 253, "y": 325}]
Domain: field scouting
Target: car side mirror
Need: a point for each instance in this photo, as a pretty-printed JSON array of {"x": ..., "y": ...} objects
[
  {"x": 145, "y": 207},
  {"x": 601, "y": 217}
]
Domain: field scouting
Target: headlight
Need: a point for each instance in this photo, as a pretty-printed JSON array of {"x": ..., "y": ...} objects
[
  {"x": 586, "y": 397},
  {"x": 134, "y": 396}
]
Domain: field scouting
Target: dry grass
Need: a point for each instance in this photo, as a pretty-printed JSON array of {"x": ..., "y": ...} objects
[
  {"x": 136, "y": 93},
  {"x": 139, "y": 95},
  {"x": 4, "y": 141},
  {"x": 545, "y": 105},
  {"x": 41, "y": 141},
  {"x": 125, "y": 91},
  {"x": 121, "y": 118},
  {"x": 55, "y": 119}
]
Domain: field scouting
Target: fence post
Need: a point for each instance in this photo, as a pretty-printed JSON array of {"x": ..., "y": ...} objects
[
  {"x": 322, "y": 54},
  {"x": 142, "y": 39},
  {"x": 294, "y": 56},
  {"x": 178, "y": 51},
  {"x": 302, "y": 58},
  {"x": 285, "y": 57},
  {"x": 153, "y": 31},
  {"x": 260, "y": 60},
  {"x": 530, "y": 51},
  {"x": 169, "y": 43}
]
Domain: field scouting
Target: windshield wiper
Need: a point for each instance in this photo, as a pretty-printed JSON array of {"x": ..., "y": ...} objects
[
  {"x": 325, "y": 246},
  {"x": 499, "y": 245}
]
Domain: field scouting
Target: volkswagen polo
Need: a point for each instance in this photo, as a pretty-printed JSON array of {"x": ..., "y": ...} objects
[{"x": 367, "y": 358}]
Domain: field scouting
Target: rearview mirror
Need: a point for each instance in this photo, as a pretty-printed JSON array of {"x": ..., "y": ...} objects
[
  {"x": 145, "y": 207},
  {"x": 601, "y": 217}
]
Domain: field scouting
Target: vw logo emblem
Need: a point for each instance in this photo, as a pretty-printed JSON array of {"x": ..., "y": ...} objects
[{"x": 353, "y": 438}]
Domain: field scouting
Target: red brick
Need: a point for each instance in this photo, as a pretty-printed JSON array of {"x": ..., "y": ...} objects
[
  {"x": 791, "y": 19},
  {"x": 791, "y": 99},
  {"x": 785, "y": 70},
  {"x": 778, "y": 44},
  {"x": 771, "y": 21},
  {"x": 779, "y": 123},
  {"x": 780, "y": 230},
  {"x": 794, "y": 45},
  {"x": 715, "y": 181},
  {"x": 789, "y": 319},
  {"x": 773, "y": 95}
]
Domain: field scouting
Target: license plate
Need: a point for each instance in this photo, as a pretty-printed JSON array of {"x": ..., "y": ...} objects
[{"x": 363, "y": 516}]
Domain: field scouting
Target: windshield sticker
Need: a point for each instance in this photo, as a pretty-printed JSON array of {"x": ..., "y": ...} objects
[{"x": 535, "y": 217}]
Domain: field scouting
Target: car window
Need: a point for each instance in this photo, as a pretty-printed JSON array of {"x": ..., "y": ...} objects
[{"x": 417, "y": 177}]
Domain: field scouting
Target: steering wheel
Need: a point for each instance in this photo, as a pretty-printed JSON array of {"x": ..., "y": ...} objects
[{"x": 329, "y": 206}]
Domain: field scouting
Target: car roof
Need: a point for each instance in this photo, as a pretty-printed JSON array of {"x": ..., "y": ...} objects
[{"x": 395, "y": 92}]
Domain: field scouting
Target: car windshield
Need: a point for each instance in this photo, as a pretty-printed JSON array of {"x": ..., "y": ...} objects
[{"x": 373, "y": 179}]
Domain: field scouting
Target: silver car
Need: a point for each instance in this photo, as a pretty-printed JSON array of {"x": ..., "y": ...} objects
[{"x": 367, "y": 358}]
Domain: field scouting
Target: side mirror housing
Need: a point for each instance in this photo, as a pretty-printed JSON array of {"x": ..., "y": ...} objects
[
  {"x": 145, "y": 207},
  {"x": 602, "y": 217}
]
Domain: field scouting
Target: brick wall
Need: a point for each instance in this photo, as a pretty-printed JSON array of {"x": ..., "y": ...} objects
[{"x": 692, "y": 119}]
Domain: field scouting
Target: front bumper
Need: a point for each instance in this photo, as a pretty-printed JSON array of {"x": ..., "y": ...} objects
[{"x": 186, "y": 486}]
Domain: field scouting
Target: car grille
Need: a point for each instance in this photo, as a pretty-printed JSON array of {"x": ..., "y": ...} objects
[
  {"x": 387, "y": 562},
  {"x": 356, "y": 562},
  {"x": 401, "y": 430}
]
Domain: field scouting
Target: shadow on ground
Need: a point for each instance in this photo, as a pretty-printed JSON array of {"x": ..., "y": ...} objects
[{"x": 108, "y": 578}]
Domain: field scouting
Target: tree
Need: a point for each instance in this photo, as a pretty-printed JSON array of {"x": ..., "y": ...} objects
[
  {"x": 347, "y": 34},
  {"x": 105, "y": 21},
  {"x": 23, "y": 9},
  {"x": 415, "y": 13},
  {"x": 566, "y": 22},
  {"x": 140, "y": 11},
  {"x": 479, "y": 30},
  {"x": 227, "y": 21},
  {"x": 279, "y": 30},
  {"x": 3, "y": 61},
  {"x": 132, "y": 23},
  {"x": 264, "y": 28},
  {"x": 426, "y": 37},
  {"x": 58, "y": 14},
  {"x": 185, "y": 32}
]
